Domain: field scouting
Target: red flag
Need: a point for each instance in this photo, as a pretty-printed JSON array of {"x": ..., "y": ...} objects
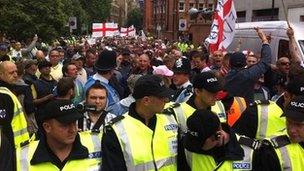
[{"x": 223, "y": 26}]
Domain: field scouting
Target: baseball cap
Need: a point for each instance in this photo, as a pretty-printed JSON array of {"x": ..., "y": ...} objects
[
  {"x": 296, "y": 86},
  {"x": 62, "y": 110},
  {"x": 43, "y": 64},
  {"x": 207, "y": 81},
  {"x": 237, "y": 60},
  {"x": 151, "y": 85},
  {"x": 162, "y": 70},
  {"x": 295, "y": 109},
  {"x": 201, "y": 125}
]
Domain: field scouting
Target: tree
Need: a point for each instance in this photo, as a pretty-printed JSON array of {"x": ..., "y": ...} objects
[
  {"x": 21, "y": 19},
  {"x": 135, "y": 18}
]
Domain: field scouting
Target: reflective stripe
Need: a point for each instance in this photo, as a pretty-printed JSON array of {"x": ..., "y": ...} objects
[
  {"x": 122, "y": 135},
  {"x": 181, "y": 119},
  {"x": 188, "y": 158},
  {"x": 96, "y": 141},
  {"x": 240, "y": 103},
  {"x": 166, "y": 162},
  {"x": 286, "y": 158},
  {"x": 24, "y": 163},
  {"x": 263, "y": 121},
  {"x": 17, "y": 112},
  {"x": 20, "y": 132}
]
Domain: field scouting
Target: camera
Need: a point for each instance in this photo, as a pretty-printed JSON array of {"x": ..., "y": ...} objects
[{"x": 86, "y": 108}]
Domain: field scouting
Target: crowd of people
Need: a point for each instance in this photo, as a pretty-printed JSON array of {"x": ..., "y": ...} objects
[{"x": 134, "y": 104}]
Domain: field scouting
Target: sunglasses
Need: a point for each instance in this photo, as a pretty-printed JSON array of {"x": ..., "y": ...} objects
[{"x": 285, "y": 63}]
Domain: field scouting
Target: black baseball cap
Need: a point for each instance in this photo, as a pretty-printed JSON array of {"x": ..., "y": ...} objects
[
  {"x": 207, "y": 81},
  {"x": 295, "y": 109},
  {"x": 151, "y": 85},
  {"x": 237, "y": 60},
  {"x": 296, "y": 86},
  {"x": 62, "y": 110},
  {"x": 201, "y": 125}
]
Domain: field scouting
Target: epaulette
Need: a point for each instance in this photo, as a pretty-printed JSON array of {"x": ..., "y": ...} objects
[
  {"x": 116, "y": 119},
  {"x": 170, "y": 109},
  {"x": 24, "y": 143},
  {"x": 260, "y": 102},
  {"x": 280, "y": 141}
]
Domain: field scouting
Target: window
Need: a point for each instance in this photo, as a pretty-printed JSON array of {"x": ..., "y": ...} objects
[
  {"x": 301, "y": 18},
  {"x": 191, "y": 5},
  {"x": 200, "y": 6},
  {"x": 301, "y": 43},
  {"x": 265, "y": 14},
  {"x": 181, "y": 6},
  {"x": 241, "y": 16},
  {"x": 283, "y": 49}
]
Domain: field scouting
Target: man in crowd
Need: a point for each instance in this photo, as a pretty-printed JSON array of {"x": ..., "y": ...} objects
[{"x": 238, "y": 76}]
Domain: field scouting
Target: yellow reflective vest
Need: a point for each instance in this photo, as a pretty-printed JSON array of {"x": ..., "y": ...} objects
[
  {"x": 145, "y": 149},
  {"x": 290, "y": 155},
  {"x": 269, "y": 120},
  {"x": 18, "y": 124},
  {"x": 92, "y": 162},
  {"x": 201, "y": 162},
  {"x": 183, "y": 111}
]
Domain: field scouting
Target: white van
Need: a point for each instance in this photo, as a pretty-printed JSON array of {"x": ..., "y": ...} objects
[{"x": 279, "y": 40}]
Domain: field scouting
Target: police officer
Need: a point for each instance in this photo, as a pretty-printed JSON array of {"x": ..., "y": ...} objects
[
  {"x": 142, "y": 139},
  {"x": 285, "y": 151},
  {"x": 6, "y": 153},
  {"x": 60, "y": 147},
  {"x": 211, "y": 145},
  {"x": 14, "y": 124},
  {"x": 206, "y": 86}
]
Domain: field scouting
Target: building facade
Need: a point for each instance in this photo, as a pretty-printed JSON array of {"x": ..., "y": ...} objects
[
  {"x": 261, "y": 10},
  {"x": 171, "y": 19}
]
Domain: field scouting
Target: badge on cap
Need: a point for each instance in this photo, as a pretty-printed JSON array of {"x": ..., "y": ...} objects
[
  {"x": 179, "y": 63},
  {"x": 2, "y": 113},
  {"x": 67, "y": 107}
]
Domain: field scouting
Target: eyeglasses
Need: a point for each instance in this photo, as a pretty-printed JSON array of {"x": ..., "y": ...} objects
[{"x": 285, "y": 63}]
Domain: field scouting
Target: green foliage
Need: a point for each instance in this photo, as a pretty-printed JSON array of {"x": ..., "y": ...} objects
[
  {"x": 21, "y": 19},
  {"x": 135, "y": 17}
]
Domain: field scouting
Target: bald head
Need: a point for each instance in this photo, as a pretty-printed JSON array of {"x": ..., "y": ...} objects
[
  {"x": 40, "y": 55},
  {"x": 8, "y": 72}
]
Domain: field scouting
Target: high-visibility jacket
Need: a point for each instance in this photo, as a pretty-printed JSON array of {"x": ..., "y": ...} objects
[
  {"x": 145, "y": 149},
  {"x": 202, "y": 162},
  {"x": 18, "y": 124},
  {"x": 290, "y": 155},
  {"x": 183, "y": 111},
  {"x": 237, "y": 108},
  {"x": 219, "y": 109},
  {"x": 269, "y": 119},
  {"x": 92, "y": 162}
]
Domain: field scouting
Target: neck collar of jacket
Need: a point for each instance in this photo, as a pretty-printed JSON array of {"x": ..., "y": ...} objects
[
  {"x": 134, "y": 114},
  {"x": 44, "y": 154}
]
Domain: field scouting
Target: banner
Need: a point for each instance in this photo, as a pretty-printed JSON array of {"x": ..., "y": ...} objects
[
  {"x": 223, "y": 26},
  {"x": 128, "y": 32},
  {"x": 104, "y": 29}
]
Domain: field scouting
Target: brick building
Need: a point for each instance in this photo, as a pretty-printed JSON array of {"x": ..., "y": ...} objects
[{"x": 170, "y": 19}]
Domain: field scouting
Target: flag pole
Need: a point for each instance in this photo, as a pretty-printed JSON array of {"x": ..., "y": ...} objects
[{"x": 285, "y": 13}]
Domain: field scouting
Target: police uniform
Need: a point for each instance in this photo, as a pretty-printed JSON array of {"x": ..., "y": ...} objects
[
  {"x": 11, "y": 111},
  {"x": 129, "y": 143},
  {"x": 260, "y": 120},
  {"x": 236, "y": 154},
  {"x": 37, "y": 155},
  {"x": 6, "y": 153}
]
